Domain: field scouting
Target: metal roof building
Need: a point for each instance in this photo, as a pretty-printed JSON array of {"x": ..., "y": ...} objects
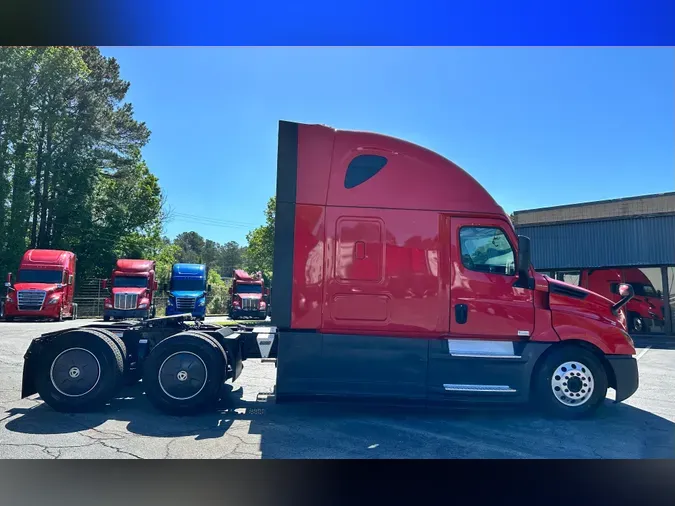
[
  {"x": 628, "y": 232},
  {"x": 635, "y": 231}
]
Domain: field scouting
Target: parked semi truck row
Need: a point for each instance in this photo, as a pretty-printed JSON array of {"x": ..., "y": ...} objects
[
  {"x": 248, "y": 296},
  {"x": 44, "y": 287},
  {"x": 459, "y": 314},
  {"x": 187, "y": 290},
  {"x": 132, "y": 286}
]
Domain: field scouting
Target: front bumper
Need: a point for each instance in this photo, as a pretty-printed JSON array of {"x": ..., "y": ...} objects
[
  {"x": 126, "y": 313},
  {"x": 626, "y": 375},
  {"x": 197, "y": 312},
  {"x": 47, "y": 311},
  {"x": 247, "y": 312}
]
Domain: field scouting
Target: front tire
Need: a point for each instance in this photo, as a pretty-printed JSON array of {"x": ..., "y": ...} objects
[
  {"x": 79, "y": 371},
  {"x": 570, "y": 383},
  {"x": 637, "y": 323},
  {"x": 184, "y": 373}
]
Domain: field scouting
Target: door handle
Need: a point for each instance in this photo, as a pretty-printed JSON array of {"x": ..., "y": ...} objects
[
  {"x": 360, "y": 250},
  {"x": 461, "y": 313}
]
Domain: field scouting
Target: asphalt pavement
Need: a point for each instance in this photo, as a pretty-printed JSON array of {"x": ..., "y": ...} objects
[{"x": 248, "y": 424}]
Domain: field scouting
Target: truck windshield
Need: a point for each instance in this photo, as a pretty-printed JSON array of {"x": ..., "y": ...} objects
[
  {"x": 644, "y": 290},
  {"x": 39, "y": 276},
  {"x": 249, "y": 288},
  {"x": 130, "y": 282},
  {"x": 188, "y": 285}
]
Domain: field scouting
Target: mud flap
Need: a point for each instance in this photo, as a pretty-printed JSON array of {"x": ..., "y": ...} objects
[{"x": 30, "y": 363}]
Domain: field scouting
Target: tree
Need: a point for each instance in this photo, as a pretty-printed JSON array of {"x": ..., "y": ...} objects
[
  {"x": 71, "y": 172},
  {"x": 230, "y": 257},
  {"x": 191, "y": 246},
  {"x": 260, "y": 250}
]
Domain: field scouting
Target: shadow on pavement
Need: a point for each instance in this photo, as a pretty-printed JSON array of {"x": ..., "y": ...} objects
[{"x": 304, "y": 430}]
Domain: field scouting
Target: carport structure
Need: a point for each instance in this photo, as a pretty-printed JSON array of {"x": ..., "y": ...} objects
[{"x": 633, "y": 238}]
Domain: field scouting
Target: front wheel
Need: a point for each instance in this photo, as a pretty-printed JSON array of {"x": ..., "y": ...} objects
[
  {"x": 570, "y": 383},
  {"x": 637, "y": 323}
]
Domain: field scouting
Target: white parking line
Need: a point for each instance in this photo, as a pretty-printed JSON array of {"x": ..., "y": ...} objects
[{"x": 643, "y": 352}]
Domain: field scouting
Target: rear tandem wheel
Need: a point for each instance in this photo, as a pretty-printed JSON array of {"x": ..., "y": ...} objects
[
  {"x": 185, "y": 373},
  {"x": 79, "y": 371}
]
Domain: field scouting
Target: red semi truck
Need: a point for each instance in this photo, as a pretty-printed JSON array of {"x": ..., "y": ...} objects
[
  {"x": 397, "y": 277},
  {"x": 133, "y": 287},
  {"x": 248, "y": 295},
  {"x": 44, "y": 287},
  {"x": 645, "y": 310}
]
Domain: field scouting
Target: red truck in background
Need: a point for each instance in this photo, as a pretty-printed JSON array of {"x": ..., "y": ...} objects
[
  {"x": 44, "y": 288},
  {"x": 645, "y": 310},
  {"x": 133, "y": 287},
  {"x": 248, "y": 295}
]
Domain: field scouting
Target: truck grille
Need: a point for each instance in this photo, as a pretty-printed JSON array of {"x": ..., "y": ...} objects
[
  {"x": 185, "y": 303},
  {"x": 126, "y": 300},
  {"x": 31, "y": 300},
  {"x": 249, "y": 304}
]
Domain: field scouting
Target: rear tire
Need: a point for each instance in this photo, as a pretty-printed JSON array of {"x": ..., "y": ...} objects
[
  {"x": 106, "y": 318},
  {"x": 79, "y": 371},
  {"x": 74, "y": 312},
  {"x": 122, "y": 347},
  {"x": 184, "y": 373},
  {"x": 570, "y": 383}
]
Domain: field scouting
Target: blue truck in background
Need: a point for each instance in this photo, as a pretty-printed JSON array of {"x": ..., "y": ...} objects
[{"x": 187, "y": 290}]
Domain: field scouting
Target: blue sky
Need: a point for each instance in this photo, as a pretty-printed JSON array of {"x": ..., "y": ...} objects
[{"x": 537, "y": 127}]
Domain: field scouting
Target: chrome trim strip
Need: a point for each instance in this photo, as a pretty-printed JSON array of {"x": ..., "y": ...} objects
[
  {"x": 483, "y": 355},
  {"x": 478, "y": 388}
]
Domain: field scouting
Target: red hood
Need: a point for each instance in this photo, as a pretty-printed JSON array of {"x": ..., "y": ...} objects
[
  {"x": 128, "y": 289},
  {"x": 595, "y": 297},
  {"x": 48, "y": 287},
  {"x": 256, "y": 296}
]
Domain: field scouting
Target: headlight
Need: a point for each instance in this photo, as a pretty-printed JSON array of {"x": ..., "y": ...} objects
[
  {"x": 262, "y": 305},
  {"x": 202, "y": 302},
  {"x": 53, "y": 300},
  {"x": 9, "y": 299},
  {"x": 143, "y": 305}
]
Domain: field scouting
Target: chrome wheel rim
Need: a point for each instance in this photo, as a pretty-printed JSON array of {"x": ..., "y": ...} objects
[
  {"x": 75, "y": 372},
  {"x": 572, "y": 383},
  {"x": 182, "y": 375},
  {"x": 637, "y": 324}
]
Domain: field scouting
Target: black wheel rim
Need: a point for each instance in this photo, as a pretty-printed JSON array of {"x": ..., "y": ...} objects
[
  {"x": 182, "y": 375},
  {"x": 75, "y": 372}
]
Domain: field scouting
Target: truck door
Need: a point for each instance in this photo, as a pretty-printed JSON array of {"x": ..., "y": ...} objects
[{"x": 484, "y": 301}]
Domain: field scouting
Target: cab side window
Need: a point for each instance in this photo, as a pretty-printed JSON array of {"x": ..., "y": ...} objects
[{"x": 486, "y": 249}]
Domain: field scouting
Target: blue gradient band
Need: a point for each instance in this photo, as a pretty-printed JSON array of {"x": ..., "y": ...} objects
[{"x": 348, "y": 22}]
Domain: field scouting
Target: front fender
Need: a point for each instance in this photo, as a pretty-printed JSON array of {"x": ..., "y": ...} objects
[{"x": 584, "y": 326}]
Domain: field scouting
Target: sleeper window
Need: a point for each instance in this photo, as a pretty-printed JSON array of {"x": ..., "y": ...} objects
[
  {"x": 362, "y": 168},
  {"x": 486, "y": 249}
]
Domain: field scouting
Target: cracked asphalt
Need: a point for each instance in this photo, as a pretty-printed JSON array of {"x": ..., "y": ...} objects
[{"x": 249, "y": 425}]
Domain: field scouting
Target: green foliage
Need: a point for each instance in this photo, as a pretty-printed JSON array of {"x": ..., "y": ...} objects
[
  {"x": 259, "y": 254},
  {"x": 71, "y": 173}
]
